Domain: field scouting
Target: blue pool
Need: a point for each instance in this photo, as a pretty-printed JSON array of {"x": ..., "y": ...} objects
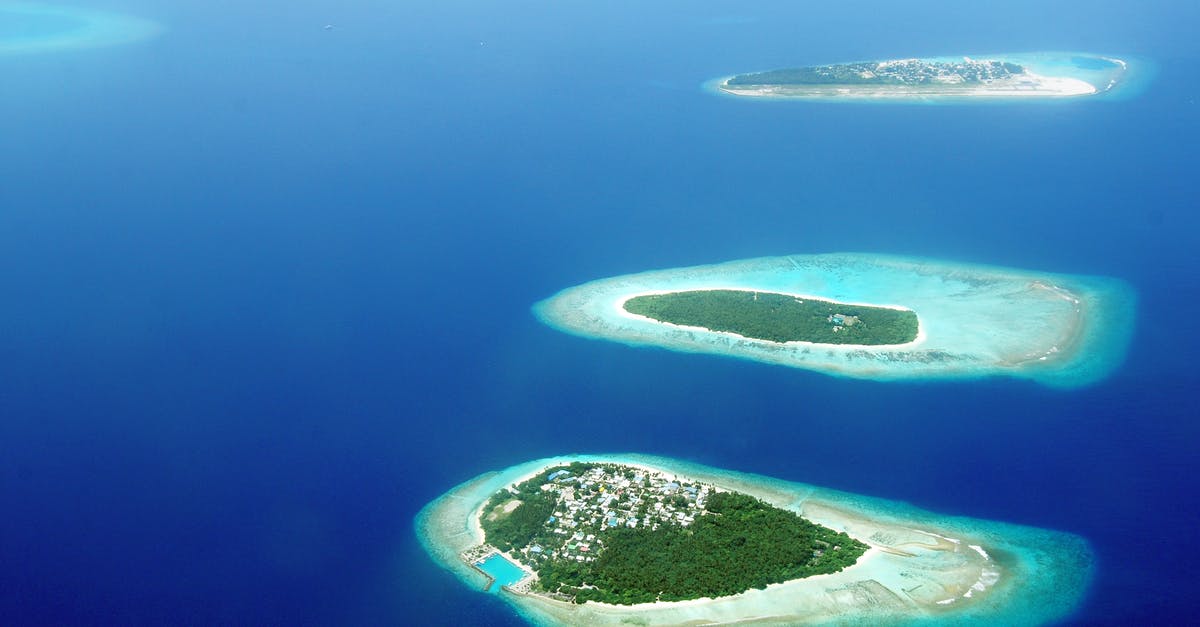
[{"x": 502, "y": 570}]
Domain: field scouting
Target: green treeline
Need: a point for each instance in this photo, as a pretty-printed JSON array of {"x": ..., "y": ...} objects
[
  {"x": 779, "y": 317},
  {"x": 850, "y": 74},
  {"x": 741, "y": 543}
]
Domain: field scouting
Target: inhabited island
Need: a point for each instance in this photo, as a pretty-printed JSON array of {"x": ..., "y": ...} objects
[
  {"x": 866, "y": 316},
  {"x": 619, "y": 534},
  {"x": 1006, "y": 76},
  {"x": 605, "y": 540}
]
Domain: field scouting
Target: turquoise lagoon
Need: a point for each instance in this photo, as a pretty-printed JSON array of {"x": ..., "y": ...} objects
[
  {"x": 27, "y": 27},
  {"x": 502, "y": 571},
  {"x": 975, "y": 320},
  {"x": 924, "y": 568}
]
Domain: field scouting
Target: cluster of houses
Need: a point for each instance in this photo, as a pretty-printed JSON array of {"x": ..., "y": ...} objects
[
  {"x": 842, "y": 320},
  {"x": 610, "y": 496},
  {"x": 916, "y": 71}
]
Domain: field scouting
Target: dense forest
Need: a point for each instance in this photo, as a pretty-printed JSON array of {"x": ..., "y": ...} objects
[
  {"x": 779, "y": 317},
  {"x": 741, "y": 543}
]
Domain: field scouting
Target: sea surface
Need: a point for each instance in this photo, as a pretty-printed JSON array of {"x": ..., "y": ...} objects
[{"x": 266, "y": 286}]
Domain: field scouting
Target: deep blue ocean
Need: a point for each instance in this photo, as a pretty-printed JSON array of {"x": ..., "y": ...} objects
[{"x": 266, "y": 286}]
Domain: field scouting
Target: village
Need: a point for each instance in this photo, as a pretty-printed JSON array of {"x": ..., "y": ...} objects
[
  {"x": 895, "y": 72},
  {"x": 918, "y": 71},
  {"x": 605, "y": 497}
]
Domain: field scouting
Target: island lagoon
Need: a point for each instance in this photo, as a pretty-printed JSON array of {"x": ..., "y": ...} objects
[
  {"x": 920, "y": 568},
  {"x": 974, "y": 320},
  {"x": 998, "y": 77},
  {"x": 29, "y": 27}
]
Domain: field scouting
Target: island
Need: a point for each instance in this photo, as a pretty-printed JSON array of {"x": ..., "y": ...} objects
[
  {"x": 866, "y": 316},
  {"x": 778, "y": 317},
  {"x": 635, "y": 539},
  {"x": 34, "y": 27},
  {"x": 625, "y": 535},
  {"x": 1053, "y": 75}
]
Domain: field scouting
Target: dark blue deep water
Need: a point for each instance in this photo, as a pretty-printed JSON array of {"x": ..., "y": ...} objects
[{"x": 266, "y": 286}]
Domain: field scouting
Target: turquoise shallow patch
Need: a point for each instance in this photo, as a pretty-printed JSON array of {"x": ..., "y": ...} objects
[
  {"x": 30, "y": 28},
  {"x": 17, "y": 25}
]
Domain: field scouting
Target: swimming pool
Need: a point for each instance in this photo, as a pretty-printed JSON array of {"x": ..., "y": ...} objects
[{"x": 500, "y": 568}]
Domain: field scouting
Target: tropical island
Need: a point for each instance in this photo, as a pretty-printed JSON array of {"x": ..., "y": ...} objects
[
  {"x": 778, "y": 317},
  {"x": 608, "y": 540},
  {"x": 1008, "y": 76},
  {"x": 866, "y": 316},
  {"x": 618, "y": 534}
]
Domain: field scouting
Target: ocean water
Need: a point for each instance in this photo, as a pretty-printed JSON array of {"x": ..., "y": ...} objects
[{"x": 267, "y": 286}]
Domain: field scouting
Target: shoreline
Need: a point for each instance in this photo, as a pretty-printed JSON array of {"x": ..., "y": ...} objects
[
  {"x": 918, "y": 565},
  {"x": 1046, "y": 87}
]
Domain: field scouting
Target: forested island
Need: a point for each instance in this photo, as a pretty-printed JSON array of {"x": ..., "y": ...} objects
[
  {"x": 778, "y": 317},
  {"x": 623, "y": 535}
]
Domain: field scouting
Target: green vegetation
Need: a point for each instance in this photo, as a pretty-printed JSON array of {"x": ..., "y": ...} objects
[
  {"x": 741, "y": 543},
  {"x": 829, "y": 75},
  {"x": 779, "y": 317}
]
